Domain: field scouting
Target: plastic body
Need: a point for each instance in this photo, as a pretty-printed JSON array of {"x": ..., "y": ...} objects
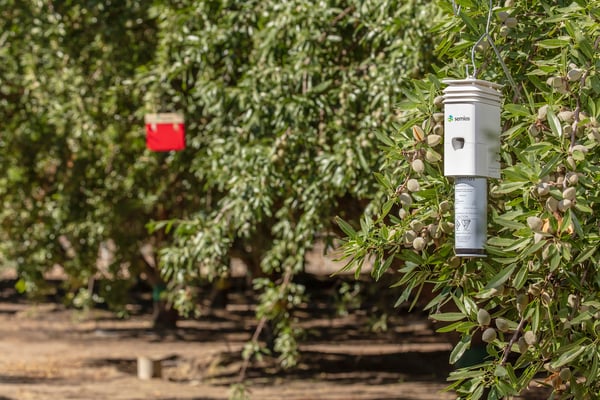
[
  {"x": 165, "y": 132},
  {"x": 471, "y": 155},
  {"x": 470, "y": 216},
  {"x": 472, "y": 128}
]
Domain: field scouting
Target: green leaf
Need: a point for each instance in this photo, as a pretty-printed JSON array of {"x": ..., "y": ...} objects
[
  {"x": 584, "y": 316},
  {"x": 580, "y": 206},
  {"x": 409, "y": 255},
  {"x": 500, "y": 241},
  {"x": 520, "y": 278},
  {"x": 346, "y": 228},
  {"x": 509, "y": 187},
  {"x": 509, "y": 223},
  {"x": 385, "y": 209},
  {"x": 21, "y": 286},
  {"x": 464, "y": 373},
  {"x": 592, "y": 373},
  {"x": 583, "y": 256},
  {"x": 500, "y": 371},
  {"x": 512, "y": 376},
  {"x": 501, "y": 277},
  {"x": 517, "y": 110},
  {"x": 592, "y": 303},
  {"x": 321, "y": 87},
  {"x": 554, "y": 123},
  {"x": 382, "y": 268},
  {"x": 384, "y": 138},
  {"x": 551, "y": 165},
  {"x": 505, "y": 389},
  {"x": 478, "y": 392},
  {"x": 566, "y": 221},
  {"x": 459, "y": 326},
  {"x": 384, "y": 181},
  {"x": 534, "y": 248},
  {"x": 568, "y": 356},
  {"x": 408, "y": 268},
  {"x": 552, "y": 43},
  {"x": 448, "y": 317},
  {"x": 587, "y": 48},
  {"x": 463, "y": 345},
  {"x": 554, "y": 259}
]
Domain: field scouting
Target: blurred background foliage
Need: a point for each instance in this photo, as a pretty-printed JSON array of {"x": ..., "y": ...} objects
[
  {"x": 281, "y": 100},
  {"x": 285, "y": 98}
]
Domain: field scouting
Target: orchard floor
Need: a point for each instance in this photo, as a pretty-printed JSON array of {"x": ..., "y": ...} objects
[{"x": 49, "y": 352}]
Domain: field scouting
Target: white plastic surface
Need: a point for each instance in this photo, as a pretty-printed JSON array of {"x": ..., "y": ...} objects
[
  {"x": 470, "y": 216},
  {"x": 472, "y": 128}
]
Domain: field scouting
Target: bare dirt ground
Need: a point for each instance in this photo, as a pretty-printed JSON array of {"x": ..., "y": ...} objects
[{"x": 49, "y": 352}]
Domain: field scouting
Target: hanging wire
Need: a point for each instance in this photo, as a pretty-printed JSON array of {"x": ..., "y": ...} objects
[{"x": 486, "y": 36}]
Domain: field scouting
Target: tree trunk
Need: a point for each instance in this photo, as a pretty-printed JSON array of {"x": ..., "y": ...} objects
[{"x": 164, "y": 316}]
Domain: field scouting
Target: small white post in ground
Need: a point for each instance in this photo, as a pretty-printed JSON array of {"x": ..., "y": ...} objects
[{"x": 148, "y": 368}]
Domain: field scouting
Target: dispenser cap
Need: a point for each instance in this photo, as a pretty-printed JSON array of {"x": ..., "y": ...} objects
[
  {"x": 472, "y": 90},
  {"x": 472, "y": 82}
]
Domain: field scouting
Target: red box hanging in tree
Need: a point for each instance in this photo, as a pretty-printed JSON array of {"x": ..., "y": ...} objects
[{"x": 165, "y": 131}]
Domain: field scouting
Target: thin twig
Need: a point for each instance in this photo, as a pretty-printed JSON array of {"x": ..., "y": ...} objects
[
  {"x": 576, "y": 113},
  {"x": 246, "y": 362},
  {"x": 341, "y": 15},
  {"x": 513, "y": 340},
  {"x": 337, "y": 19},
  {"x": 261, "y": 325}
]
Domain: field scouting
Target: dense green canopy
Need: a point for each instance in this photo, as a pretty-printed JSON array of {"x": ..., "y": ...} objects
[
  {"x": 76, "y": 171},
  {"x": 533, "y": 300},
  {"x": 281, "y": 101}
]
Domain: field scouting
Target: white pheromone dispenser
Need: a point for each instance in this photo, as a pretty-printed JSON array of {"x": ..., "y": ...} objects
[{"x": 471, "y": 155}]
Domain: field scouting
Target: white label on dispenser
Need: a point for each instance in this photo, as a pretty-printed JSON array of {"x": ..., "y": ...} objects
[{"x": 470, "y": 215}]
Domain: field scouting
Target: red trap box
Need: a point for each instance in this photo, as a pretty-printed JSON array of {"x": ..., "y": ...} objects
[{"x": 165, "y": 131}]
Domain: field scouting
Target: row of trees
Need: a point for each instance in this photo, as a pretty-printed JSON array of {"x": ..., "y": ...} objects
[
  {"x": 298, "y": 112},
  {"x": 287, "y": 97},
  {"x": 79, "y": 187},
  {"x": 282, "y": 102}
]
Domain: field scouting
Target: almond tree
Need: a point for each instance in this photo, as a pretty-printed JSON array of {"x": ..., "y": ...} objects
[
  {"x": 78, "y": 186},
  {"x": 283, "y": 101},
  {"x": 533, "y": 300}
]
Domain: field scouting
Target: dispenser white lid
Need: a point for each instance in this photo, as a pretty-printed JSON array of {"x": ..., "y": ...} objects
[
  {"x": 472, "y": 90},
  {"x": 472, "y": 82}
]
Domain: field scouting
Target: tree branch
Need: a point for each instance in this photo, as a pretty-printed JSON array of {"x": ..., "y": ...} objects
[
  {"x": 512, "y": 341},
  {"x": 246, "y": 362},
  {"x": 287, "y": 278}
]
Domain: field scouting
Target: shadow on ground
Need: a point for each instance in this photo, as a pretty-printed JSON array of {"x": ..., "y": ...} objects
[
  {"x": 344, "y": 368},
  {"x": 22, "y": 380}
]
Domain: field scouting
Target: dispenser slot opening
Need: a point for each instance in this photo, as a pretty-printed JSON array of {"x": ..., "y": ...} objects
[{"x": 458, "y": 143}]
